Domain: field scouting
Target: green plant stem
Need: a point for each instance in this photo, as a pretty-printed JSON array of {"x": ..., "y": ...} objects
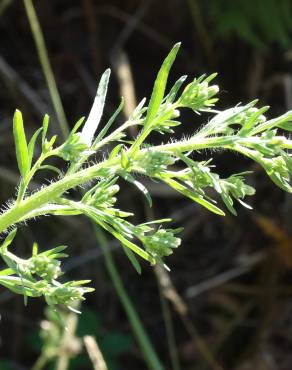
[
  {"x": 25, "y": 182},
  {"x": 118, "y": 131},
  {"x": 143, "y": 340},
  {"x": 97, "y": 146},
  {"x": 140, "y": 139},
  {"x": 137, "y": 326},
  {"x": 46, "y": 66},
  {"x": 227, "y": 142},
  {"x": 50, "y": 193}
]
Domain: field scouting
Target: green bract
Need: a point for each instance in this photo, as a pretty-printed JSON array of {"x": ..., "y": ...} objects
[{"x": 243, "y": 129}]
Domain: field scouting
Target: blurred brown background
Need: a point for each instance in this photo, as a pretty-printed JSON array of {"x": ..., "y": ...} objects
[{"x": 227, "y": 301}]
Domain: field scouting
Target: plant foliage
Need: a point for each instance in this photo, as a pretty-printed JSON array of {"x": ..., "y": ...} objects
[{"x": 242, "y": 129}]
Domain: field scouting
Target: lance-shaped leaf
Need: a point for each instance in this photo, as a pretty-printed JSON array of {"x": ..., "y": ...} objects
[
  {"x": 45, "y": 129},
  {"x": 156, "y": 96},
  {"x": 104, "y": 131},
  {"x": 8, "y": 240},
  {"x": 132, "y": 258},
  {"x": 131, "y": 179},
  {"x": 175, "y": 88},
  {"x": 20, "y": 144},
  {"x": 31, "y": 145},
  {"x": 95, "y": 114},
  {"x": 192, "y": 195},
  {"x": 160, "y": 84}
]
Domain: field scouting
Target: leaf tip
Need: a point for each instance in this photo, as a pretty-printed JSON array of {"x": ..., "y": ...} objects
[{"x": 107, "y": 72}]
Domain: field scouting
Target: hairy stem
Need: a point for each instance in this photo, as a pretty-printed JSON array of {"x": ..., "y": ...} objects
[{"x": 51, "y": 193}]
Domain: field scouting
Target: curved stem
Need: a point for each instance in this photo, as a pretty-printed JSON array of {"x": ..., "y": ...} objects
[{"x": 25, "y": 182}]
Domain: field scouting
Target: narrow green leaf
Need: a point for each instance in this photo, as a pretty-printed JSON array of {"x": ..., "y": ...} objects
[
  {"x": 160, "y": 85},
  {"x": 20, "y": 144},
  {"x": 45, "y": 128},
  {"x": 97, "y": 217},
  {"x": 133, "y": 259},
  {"x": 190, "y": 194},
  {"x": 279, "y": 180},
  {"x": 127, "y": 243},
  {"x": 159, "y": 221},
  {"x": 211, "y": 77},
  {"x": 8, "y": 240},
  {"x": 115, "y": 151},
  {"x": 156, "y": 97},
  {"x": 139, "y": 110},
  {"x": 95, "y": 114},
  {"x": 109, "y": 123},
  {"x": 6, "y": 272},
  {"x": 128, "y": 177},
  {"x": 51, "y": 168},
  {"x": 118, "y": 213},
  {"x": 16, "y": 285},
  {"x": 55, "y": 251},
  {"x": 35, "y": 249},
  {"x": 229, "y": 203},
  {"x": 121, "y": 226},
  {"x": 223, "y": 119},
  {"x": 175, "y": 88},
  {"x": 251, "y": 122},
  {"x": 275, "y": 122},
  {"x": 78, "y": 283},
  {"x": 49, "y": 144},
  {"x": 124, "y": 159},
  {"x": 77, "y": 125},
  {"x": 31, "y": 145}
]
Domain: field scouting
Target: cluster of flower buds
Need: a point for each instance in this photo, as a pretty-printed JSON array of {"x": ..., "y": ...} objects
[
  {"x": 45, "y": 267},
  {"x": 153, "y": 162},
  {"x": 73, "y": 147},
  {"x": 36, "y": 276},
  {"x": 67, "y": 293},
  {"x": 102, "y": 195},
  {"x": 199, "y": 95},
  {"x": 166, "y": 119},
  {"x": 162, "y": 242}
]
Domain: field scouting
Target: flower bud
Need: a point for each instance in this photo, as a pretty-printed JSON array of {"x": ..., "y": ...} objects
[{"x": 161, "y": 243}]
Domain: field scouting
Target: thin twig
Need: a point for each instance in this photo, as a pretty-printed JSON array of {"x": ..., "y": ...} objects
[
  {"x": 126, "y": 82},
  {"x": 225, "y": 276},
  {"x": 94, "y": 353},
  {"x": 130, "y": 27},
  {"x": 168, "y": 322}
]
